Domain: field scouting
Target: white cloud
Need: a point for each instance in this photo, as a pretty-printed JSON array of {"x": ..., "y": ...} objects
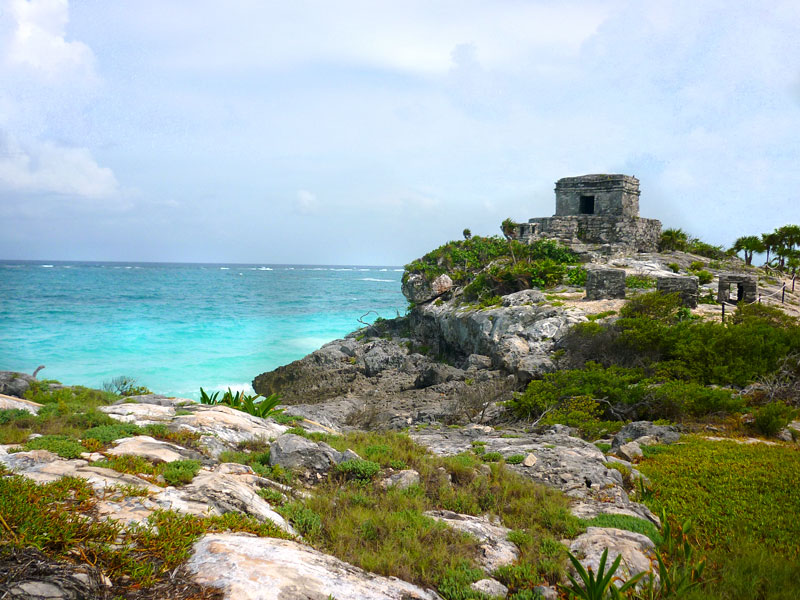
[
  {"x": 305, "y": 203},
  {"x": 38, "y": 42},
  {"x": 46, "y": 167}
]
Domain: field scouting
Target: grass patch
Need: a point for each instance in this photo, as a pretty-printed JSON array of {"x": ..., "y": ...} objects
[
  {"x": 61, "y": 445},
  {"x": 744, "y": 501},
  {"x": 628, "y": 523},
  {"x": 387, "y": 532}
]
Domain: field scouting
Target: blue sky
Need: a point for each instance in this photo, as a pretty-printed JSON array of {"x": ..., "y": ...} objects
[{"x": 369, "y": 132}]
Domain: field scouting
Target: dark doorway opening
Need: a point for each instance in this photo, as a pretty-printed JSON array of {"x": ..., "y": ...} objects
[{"x": 587, "y": 205}]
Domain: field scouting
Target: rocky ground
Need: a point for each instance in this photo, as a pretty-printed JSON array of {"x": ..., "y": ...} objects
[{"x": 242, "y": 566}]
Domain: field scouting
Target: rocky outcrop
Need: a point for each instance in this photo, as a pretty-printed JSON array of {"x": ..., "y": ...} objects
[
  {"x": 295, "y": 453},
  {"x": 418, "y": 289},
  {"x": 644, "y": 433},
  {"x": 496, "y": 550},
  {"x": 635, "y": 549},
  {"x": 14, "y": 403},
  {"x": 250, "y": 568},
  {"x": 518, "y": 337},
  {"x": 557, "y": 460},
  {"x": 14, "y": 384}
]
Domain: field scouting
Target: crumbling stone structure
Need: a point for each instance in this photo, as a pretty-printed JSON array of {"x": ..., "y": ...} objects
[
  {"x": 686, "y": 287},
  {"x": 737, "y": 287},
  {"x": 605, "y": 283},
  {"x": 596, "y": 209}
]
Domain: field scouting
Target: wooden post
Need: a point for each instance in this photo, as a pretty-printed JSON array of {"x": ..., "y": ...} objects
[{"x": 723, "y": 311}]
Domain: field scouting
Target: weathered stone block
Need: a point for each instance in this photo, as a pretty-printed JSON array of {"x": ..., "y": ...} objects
[
  {"x": 685, "y": 286},
  {"x": 737, "y": 287},
  {"x": 598, "y": 195},
  {"x": 605, "y": 283}
]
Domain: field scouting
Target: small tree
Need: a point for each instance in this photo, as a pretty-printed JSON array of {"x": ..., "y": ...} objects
[
  {"x": 467, "y": 234},
  {"x": 673, "y": 239},
  {"x": 508, "y": 227},
  {"x": 748, "y": 244}
]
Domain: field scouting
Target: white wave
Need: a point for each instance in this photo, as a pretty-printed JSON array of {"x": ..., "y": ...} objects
[
  {"x": 47, "y": 266},
  {"x": 234, "y": 387},
  {"x": 374, "y": 279},
  {"x": 382, "y": 270},
  {"x": 341, "y": 269},
  {"x": 224, "y": 268},
  {"x": 128, "y": 267},
  {"x": 399, "y": 270},
  {"x": 264, "y": 269},
  {"x": 365, "y": 269}
]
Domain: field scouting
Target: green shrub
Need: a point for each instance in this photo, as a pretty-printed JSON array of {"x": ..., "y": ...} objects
[
  {"x": 491, "y": 457},
  {"x": 771, "y": 418},
  {"x": 697, "y": 265},
  {"x": 674, "y": 267},
  {"x": 57, "y": 444},
  {"x": 363, "y": 470},
  {"x": 307, "y": 522},
  {"x": 515, "y": 459},
  {"x": 14, "y": 414},
  {"x": 108, "y": 433},
  {"x": 577, "y": 276},
  {"x": 704, "y": 276},
  {"x": 180, "y": 472}
]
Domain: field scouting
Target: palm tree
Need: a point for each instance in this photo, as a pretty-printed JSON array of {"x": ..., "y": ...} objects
[
  {"x": 674, "y": 239},
  {"x": 748, "y": 244},
  {"x": 770, "y": 240},
  {"x": 467, "y": 234}
]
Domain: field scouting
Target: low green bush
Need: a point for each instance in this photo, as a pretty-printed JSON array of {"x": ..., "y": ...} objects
[
  {"x": 515, "y": 459},
  {"x": 704, "y": 276},
  {"x": 14, "y": 414},
  {"x": 772, "y": 418},
  {"x": 181, "y": 472},
  {"x": 57, "y": 444},
  {"x": 640, "y": 282},
  {"x": 363, "y": 470},
  {"x": 106, "y": 434}
]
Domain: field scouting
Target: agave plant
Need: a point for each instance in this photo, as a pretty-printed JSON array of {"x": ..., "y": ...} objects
[
  {"x": 206, "y": 399},
  {"x": 244, "y": 402},
  {"x": 600, "y": 586}
]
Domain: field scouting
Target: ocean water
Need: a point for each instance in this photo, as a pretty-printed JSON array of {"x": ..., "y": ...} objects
[{"x": 176, "y": 327}]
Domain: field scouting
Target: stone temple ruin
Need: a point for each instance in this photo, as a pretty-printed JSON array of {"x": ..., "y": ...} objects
[
  {"x": 736, "y": 287},
  {"x": 596, "y": 210}
]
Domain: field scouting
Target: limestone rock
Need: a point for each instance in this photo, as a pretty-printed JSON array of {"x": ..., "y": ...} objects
[
  {"x": 10, "y": 402},
  {"x": 635, "y": 549},
  {"x": 228, "y": 487},
  {"x": 401, "y": 480},
  {"x": 382, "y": 356},
  {"x": 151, "y": 449},
  {"x": 478, "y": 362},
  {"x": 250, "y": 568},
  {"x": 638, "y": 429},
  {"x": 490, "y": 587},
  {"x": 437, "y": 373},
  {"x": 523, "y": 298},
  {"x": 497, "y": 550},
  {"x": 530, "y": 460},
  {"x": 14, "y": 384},
  {"x": 296, "y": 452},
  {"x": 417, "y": 289},
  {"x": 630, "y": 451},
  {"x": 43, "y": 467}
]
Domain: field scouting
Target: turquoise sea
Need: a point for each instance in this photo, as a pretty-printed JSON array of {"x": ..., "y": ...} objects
[{"x": 176, "y": 327}]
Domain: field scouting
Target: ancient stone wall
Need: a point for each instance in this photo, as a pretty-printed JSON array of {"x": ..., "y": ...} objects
[
  {"x": 640, "y": 235},
  {"x": 737, "y": 287},
  {"x": 598, "y": 195},
  {"x": 605, "y": 283},
  {"x": 686, "y": 287}
]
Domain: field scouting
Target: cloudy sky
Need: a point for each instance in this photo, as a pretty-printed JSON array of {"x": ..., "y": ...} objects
[{"x": 368, "y": 132}]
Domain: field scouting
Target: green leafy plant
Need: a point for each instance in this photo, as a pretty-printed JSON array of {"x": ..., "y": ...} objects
[
  {"x": 601, "y": 585},
  {"x": 181, "y": 472},
  {"x": 246, "y": 403},
  {"x": 363, "y": 470}
]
